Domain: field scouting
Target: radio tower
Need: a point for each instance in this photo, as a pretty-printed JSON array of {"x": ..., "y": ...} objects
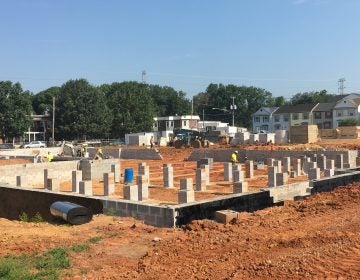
[
  {"x": 143, "y": 77},
  {"x": 341, "y": 86}
]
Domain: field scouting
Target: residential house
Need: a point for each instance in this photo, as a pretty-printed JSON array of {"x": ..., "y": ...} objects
[
  {"x": 346, "y": 108},
  {"x": 262, "y": 119},
  {"x": 292, "y": 115},
  {"x": 323, "y": 115},
  {"x": 166, "y": 125},
  {"x": 41, "y": 124}
]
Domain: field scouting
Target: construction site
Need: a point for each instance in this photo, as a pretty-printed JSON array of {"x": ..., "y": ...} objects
[{"x": 197, "y": 201}]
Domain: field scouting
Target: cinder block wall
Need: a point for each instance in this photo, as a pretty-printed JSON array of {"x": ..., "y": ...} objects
[
  {"x": 288, "y": 192},
  {"x": 34, "y": 172}
]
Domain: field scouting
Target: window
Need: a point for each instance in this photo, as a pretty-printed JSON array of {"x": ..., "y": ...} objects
[
  {"x": 277, "y": 126},
  {"x": 328, "y": 114},
  {"x": 257, "y": 119},
  {"x": 171, "y": 123},
  {"x": 286, "y": 118},
  {"x": 317, "y": 115},
  {"x": 277, "y": 119},
  {"x": 339, "y": 113},
  {"x": 184, "y": 123},
  {"x": 155, "y": 124},
  {"x": 305, "y": 116},
  {"x": 265, "y": 118},
  {"x": 295, "y": 116},
  {"x": 350, "y": 112}
]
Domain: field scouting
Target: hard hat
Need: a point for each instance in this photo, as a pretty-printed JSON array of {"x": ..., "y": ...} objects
[{"x": 236, "y": 152}]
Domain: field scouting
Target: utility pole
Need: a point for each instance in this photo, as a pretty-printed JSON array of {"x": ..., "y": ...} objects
[
  {"x": 233, "y": 107},
  {"x": 341, "y": 85},
  {"x": 203, "y": 119},
  {"x": 53, "y": 121}
]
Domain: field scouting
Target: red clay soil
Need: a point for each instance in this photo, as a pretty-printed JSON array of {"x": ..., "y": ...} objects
[{"x": 312, "y": 239}]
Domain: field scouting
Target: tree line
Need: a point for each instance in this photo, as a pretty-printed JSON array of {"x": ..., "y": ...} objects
[{"x": 83, "y": 110}]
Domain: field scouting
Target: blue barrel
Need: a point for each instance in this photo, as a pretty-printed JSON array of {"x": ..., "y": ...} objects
[{"x": 129, "y": 175}]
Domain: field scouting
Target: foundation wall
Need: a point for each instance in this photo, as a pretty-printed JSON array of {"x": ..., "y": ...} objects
[
  {"x": 288, "y": 192},
  {"x": 206, "y": 209}
]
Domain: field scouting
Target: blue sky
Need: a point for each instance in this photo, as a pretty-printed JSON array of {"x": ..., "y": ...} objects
[{"x": 284, "y": 46}]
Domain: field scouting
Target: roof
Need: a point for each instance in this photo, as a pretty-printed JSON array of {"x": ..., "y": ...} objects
[
  {"x": 324, "y": 107},
  {"x": 269, "y": 110},
  {"x": 356, "y": 101},
  {"x": 287, "y": 109}
]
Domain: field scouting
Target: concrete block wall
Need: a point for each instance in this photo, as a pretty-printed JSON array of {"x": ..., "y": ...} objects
[
  {"x": 288, "y": 192},
  {"x": 33, "y": 173},
  {"x": 94, "y": 169},
  {"x": 160, "y": 216},
  {"x": 140, "y": 154}
]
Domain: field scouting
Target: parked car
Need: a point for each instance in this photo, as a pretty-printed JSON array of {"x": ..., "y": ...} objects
[
  {"x": 6, "y": 146},
  {"x": 34, "y": 144}
]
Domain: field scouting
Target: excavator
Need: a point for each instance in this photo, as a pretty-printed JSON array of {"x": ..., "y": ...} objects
[{"x": 189, "y": 138}]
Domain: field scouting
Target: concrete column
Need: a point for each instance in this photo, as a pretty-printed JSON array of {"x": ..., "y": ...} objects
[
  {"x": 115, "y": 168},
  {"x": 240, "y": 187},
  {"x": 236, "y": 167},
  {"x": 270, "y": 162},
  {"x": 238, "y": 176},
  {"x": 314, "y": 173},
  {"x": 109, "y": 183},
  {"x": 329, "y": 172},
  {"x": 286, "y": 164},
  {"x": 206, "y": 167},
  {"x": 227, "y": 171},
  {"x": 200, "y": 184},
  {"x": 297, "y": 167},
  {"x": 145, "y": 170},
  {"x": 249, "y": 165},
  {"x": 46, "y": 176},
  {"x": 322, "y": 162},
  {"x": 339, "y": 163},
  {"x": 282, "y": 179},
  {"x": 76, "y": 177},
  {"x": 272, "y": 176},
  {"x": 186, "y": 184},
  {"x": 53, "y": 184},
  {"x": 85, "y": 187},
  {"x": 168, "y": 176},
  {"x": 330, "y": 164},
  {"x": 186, "y": 193},
  {"x": 131, "y": 192},
  {"x": 21, "y": 181},
  {"x": 143, "y": 187},
  {"x": 277, "y": 163}
]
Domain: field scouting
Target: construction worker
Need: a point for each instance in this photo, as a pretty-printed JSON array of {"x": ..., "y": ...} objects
[
  {"x": 234, "y": 158},
  {"x": 99, "y": 153},
  {"x": 49, "y": 157},
  {"x": 151, "y": 142}
]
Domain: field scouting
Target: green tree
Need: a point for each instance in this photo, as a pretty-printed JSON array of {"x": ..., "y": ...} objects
[
  {"x": 81, "y": 111},
  {"x": 247, "y": 100},
  {"x": 131, "y": 105},
  {"x": 312, "y": 97},
  {"x": 42, "y": 101},
  {"x": 168, "y": 101},
  {"x": 15, "y": 110}
]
